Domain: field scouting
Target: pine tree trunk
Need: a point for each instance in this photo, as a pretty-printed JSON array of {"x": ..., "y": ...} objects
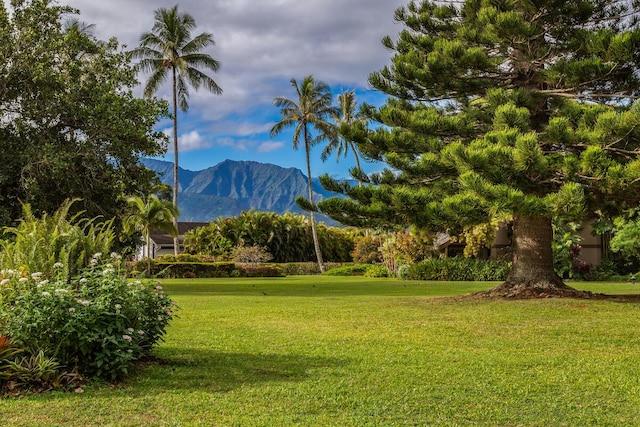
[{"x": 532, "y": 274}]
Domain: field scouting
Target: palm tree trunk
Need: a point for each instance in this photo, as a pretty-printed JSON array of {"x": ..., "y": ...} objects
[
  {"x": 148, "y": 239},
  {"x": 314, "y": 231},
  {"x": 355, "y": 154},
  {"x": 175, "y": 157}
]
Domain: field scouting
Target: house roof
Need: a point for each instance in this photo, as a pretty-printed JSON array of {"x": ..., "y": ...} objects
[{"x": 163, "y": 239}]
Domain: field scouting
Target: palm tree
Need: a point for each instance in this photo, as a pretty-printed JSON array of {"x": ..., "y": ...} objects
[
  {"x": 168, "y": 50},
  {"x": 345, "y": 115},
  {"x": 148, "y": 215},
  {"x": 80, "y": 27},
  {"x": 311, "y": 111}
]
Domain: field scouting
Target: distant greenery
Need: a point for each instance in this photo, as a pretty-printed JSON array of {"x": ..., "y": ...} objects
[
  {"x": 312, "y": 351},
  {"x": 287, "y": 237}
]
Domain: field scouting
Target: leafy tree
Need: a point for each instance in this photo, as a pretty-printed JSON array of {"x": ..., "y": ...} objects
[
  {"x": 345, "y": 115},
  {"x": 310, "y": 112},
  {"x": 70, "y": 126},
  {"x": 520, "y": 109},
  {"x": 169, "y": 51},
  {"x": 148, "y": 215}
]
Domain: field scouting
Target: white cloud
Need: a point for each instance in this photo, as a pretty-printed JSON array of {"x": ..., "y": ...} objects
[
  {"x": 267, "y": 147},
  {"x": 190, "y": 141},
  {"x": 263, "y": 44}
]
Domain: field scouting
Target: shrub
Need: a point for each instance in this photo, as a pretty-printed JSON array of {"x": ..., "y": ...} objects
[
  {"x": 367, "y": 249},
  {"x": 260, "y": 271},
  {"x": 348, "y": 270},
  {"x": 95, "y": 324},
  {"x": 251, "y": 254},
  {"x": 305, "y": 268},
  {"x": 376, "y": 270},
  {"x": 192, "y": 269},
  {"x": 458, "y": 269}
]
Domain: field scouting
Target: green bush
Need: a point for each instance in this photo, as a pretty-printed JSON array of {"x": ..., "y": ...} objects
[
  {"x": 175, "y": 270},
  {"x": 458, "y": 269},
  {"x": 259, "y": 271},
  {"x": 96, "y": 324},
  {"x": 376, "y": 270},
  {"x": 306, "y": 268},
  {"x": 348, "y": 270}
]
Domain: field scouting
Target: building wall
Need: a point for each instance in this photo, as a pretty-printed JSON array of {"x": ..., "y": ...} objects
[{"x": 592, "y": 246}]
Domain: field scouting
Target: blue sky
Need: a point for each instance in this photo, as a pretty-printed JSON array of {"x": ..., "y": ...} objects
[{"x": 261, "y": 44}]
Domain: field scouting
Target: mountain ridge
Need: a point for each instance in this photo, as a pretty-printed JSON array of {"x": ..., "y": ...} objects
[{"x": 232, "y": 186}]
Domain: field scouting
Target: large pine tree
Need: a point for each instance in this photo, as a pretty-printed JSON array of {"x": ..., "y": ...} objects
[{"x": 510, "y": 108}]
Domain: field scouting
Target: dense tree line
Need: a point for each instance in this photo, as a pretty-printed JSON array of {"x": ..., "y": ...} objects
[{"x": 287, "y": 237}]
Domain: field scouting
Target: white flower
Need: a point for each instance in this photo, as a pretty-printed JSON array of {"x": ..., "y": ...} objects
[
  {"x": 58, "y": 265},
  {"x": 44, "y": 282},
  {"x": 127, "y": 337},
  {"x": 137, "y": 282},
  {"x": 83, "y": 302},
  {"x": 130, "y": 330},
  {"x": 160, "y": 318},
  {"x": 23, "y": 279},
  {"x": 83, "y": 280},
  {"x": 108, "y": 271},
  {"x": 158, "y": 288},
  {"x": 72, "y": 310},
  {"x": 4, "y": 281},
  {"x": 97, "y": 255},
  {"x": 118, "y": 306},
  {"x": 46, "y": 294},
  {"x": 140, "y": 332},
  {"x": 115, "y": 255},
  {"x": 61, "y": 291},
  {"x": 36, "y": 275},
  {"x": 93, "y": 261}
]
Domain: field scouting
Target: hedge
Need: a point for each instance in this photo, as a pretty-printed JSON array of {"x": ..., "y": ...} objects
[{"x": 458, "y": 269}]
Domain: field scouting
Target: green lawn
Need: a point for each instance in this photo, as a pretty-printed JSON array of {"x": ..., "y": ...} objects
[{"x": 332, "y": 351}]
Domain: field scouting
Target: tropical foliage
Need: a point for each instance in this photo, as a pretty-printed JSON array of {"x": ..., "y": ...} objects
[
  {"x": 71, "y": 311},
  {"x": 345, "y": 115},
  {"x": 287, "y": 237},
  {"x": 169, "y": 51},
  {"x": 57, "y": 245},
  {"x": 148, "y": 215},
  {"x": 308, "y": 114}
]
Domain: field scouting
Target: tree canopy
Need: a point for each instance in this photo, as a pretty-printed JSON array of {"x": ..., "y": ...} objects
[
  {"x": 70, "y": 126},
  {"x": 512, "y": 109}
]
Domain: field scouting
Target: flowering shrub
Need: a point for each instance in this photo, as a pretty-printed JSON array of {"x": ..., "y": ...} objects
[{"x": 97, "y": 323}]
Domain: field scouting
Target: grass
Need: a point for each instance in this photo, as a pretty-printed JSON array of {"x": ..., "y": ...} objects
[{"x": 335, "y": 351}]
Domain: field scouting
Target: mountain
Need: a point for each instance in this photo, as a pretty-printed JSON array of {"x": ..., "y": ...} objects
[{"x": 231, "y": 187}]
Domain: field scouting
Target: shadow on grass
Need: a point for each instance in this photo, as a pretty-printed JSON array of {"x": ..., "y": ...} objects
[{"x": 201, "y": 369}]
